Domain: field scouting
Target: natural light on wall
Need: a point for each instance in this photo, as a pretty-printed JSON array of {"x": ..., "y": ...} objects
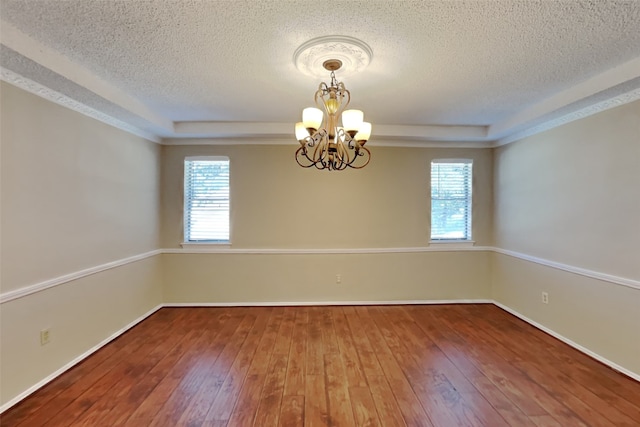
[
  {"x": 451, "y": 182},
  {"x": 206, "y": 199}
]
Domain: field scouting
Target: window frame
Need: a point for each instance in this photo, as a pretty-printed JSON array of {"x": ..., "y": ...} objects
[
  {"x": 185, "y": 210},
  {"x": 462, "y": 241}
]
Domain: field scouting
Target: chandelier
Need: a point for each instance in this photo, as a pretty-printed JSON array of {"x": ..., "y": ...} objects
[{"x": 325, "y": 142}]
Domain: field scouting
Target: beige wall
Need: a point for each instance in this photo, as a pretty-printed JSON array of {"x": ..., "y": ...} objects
[
  {"x": 277, "y": 204},
  {"x": 570, "y": 195},
  {"x": 308, "y": 278},
  {"x": 76, "y": 194}
]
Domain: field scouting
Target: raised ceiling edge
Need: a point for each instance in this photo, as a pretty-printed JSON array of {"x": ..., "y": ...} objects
[
  {"x": 63, "y": 100},
  {"x": 269, "y": 139},
  {"x": 590, "y": 110}
]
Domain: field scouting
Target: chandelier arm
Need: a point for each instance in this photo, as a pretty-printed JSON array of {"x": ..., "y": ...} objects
[
  {"x": 303, "y": 155},
  {"x": 352, "y": 143},
  {"x": 333, "y": 148},
  {"x": 343, "y": 154},
  {"x": 345, "y": 94},
  {"x": 361, "y": 153},
  {"x": 321, "y": 151}
]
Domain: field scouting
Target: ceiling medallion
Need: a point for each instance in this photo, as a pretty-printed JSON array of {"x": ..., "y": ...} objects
[{"x": 355, "y": 55}]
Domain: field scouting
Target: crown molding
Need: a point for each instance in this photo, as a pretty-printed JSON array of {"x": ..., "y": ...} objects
[
  {"x": 44, "y": 61},
  {"x": 609, "y": 89},
  {"x": 63, "y": 100},
  {"x": 599, "y": 107}
]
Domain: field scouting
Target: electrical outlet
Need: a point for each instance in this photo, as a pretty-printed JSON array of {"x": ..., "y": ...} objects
[
  {"x": 545, "y": 298},
  {"x": 338, "y": 278},
  {"x": 45, "y": 336}
]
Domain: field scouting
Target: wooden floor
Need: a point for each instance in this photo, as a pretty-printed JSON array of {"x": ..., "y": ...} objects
[{"x": 436, "y": 365}]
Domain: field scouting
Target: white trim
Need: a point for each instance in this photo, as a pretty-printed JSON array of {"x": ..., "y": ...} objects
[
  {"x": 285, "y": 139},
  {"x": 622, "y": 281},
  {"x": 451, "y": 243},
  {"x": 324, "y": 303},
  {"x": 206, "y": 158},
  {"x": 207, "y": 244},
  {"x": 77, "y": 360},
  {"x": 61, "y": 99},
  {"x": 573, "y": 344},
  {"x": 212, "y": 249},
  {"x": 56, "y": 281},
  {"x": 331, "y": 251}
]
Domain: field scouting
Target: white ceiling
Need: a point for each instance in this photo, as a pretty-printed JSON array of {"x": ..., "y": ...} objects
[{"x": 459, "y": 71}]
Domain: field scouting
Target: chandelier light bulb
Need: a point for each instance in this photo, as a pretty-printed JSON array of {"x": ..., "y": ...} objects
[
  {"x": 364, "y": 133},
  {"x": 352, "y": 120},
  {"x": 312, "y": 118},
  {"x": 301, "y": 132}
]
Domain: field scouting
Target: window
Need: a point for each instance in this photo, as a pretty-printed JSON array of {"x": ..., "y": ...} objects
[
  {"x": 451, "y": 199},
  {"x": 206, "y": 199}
]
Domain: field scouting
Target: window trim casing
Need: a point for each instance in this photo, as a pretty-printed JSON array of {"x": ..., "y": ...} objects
[
  {"x": 203, "y": 243},
  {"x": 458, "y": 242}
]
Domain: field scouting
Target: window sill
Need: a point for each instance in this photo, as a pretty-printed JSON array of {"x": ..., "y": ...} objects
[
  {"x": 453, "y": 243},
  {"x": 205, "y": 245}
]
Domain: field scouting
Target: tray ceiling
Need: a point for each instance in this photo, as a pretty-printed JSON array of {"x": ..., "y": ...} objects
[{"x": 458, "y": 71}]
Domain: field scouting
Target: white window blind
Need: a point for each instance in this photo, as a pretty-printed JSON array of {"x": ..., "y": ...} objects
[
  {"x": 206, "y": 199},
  {"x": 451, "y": 199}
]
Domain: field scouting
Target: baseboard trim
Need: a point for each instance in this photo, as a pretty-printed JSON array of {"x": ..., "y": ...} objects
[
  {"x": 571, "y": 343},
  {"x": 221, "y": 249},
  {"x": 56, "y": 281},
  {"x": 75, "y": 361},
  {"x": 324, "y": 303}
]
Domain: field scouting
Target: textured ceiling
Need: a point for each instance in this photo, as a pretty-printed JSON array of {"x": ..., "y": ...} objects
[{"x": 490, "y": 68}]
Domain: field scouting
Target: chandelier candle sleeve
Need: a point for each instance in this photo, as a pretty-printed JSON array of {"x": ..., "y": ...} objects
[
  {"x": 363, "y": 133},
  {"x": 352, "y": 121},
  {"x": 312, "y": 118},
  {"x": 333, "y": 139}
]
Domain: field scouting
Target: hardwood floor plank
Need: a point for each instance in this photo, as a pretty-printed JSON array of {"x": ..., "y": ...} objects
[
  {"x": 314, "y": 360},
  {"x": 329, "y": 338},
  {"x": 296, "y": 366},
  {"x": 283, "y": 340},
  {"x": 577, "y": 399},
  {"x": 440, "y": 365},
  {"x": 505, "y": 407},
  {"x": 129, "y": 392},
  {"x": 338, "y": 399},
  {"x": 292, "y": 412},
  {"x": 195, "y": 379},
  {"x": 271, "y": 399},
  {"x": 354, "y": 373},
  {"x": 409, "y": 405},
  {"x": 261, "y": 366},
  {"x": 366, "y": 354},
  {"x": 315, "y": 402},
  {"x": 385, "y": 401},
  {"x": 225, "y": 401},
  {"x": 364, "y": 408}
]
